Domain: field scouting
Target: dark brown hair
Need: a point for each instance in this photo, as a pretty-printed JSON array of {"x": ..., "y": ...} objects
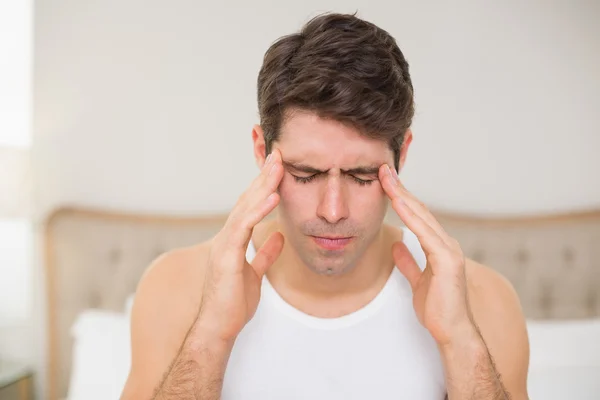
[{"x": 342, "y": 68}]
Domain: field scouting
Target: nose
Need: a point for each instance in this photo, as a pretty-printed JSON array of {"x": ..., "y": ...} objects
[{"x": 333, "y": 205}]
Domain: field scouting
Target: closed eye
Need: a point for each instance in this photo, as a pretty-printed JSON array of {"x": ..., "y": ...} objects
[
  {"x": 361, "y": 182},
  {"x": 307, "y": 179},
  {"x": 304, "y": 179}
]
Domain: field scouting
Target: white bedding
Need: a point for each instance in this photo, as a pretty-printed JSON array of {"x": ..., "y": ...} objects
[
  {"x": 565, "y": 357},
  {"x": 101, "y": 354},
  {"x": 564, "y": 360}
]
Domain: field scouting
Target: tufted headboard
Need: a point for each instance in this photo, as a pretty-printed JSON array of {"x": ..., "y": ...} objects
[{"x": 94, "y": 259}]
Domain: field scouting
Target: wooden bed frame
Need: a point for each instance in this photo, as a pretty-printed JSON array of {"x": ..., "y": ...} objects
[{"x": 95, "y": 258}]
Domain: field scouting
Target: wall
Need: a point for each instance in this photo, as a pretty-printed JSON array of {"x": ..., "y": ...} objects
[
  {"x": 145, "y": 106},
  {"x": 148, "y": 105}
]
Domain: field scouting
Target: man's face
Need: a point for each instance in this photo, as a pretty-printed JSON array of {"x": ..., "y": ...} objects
[{"x": 332, "y": 203}]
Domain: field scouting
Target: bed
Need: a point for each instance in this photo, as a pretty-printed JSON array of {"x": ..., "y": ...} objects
[{"x": 95, "y": 258}]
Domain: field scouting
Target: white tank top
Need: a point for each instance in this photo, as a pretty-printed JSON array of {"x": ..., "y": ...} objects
[{"x": 378, "y": 352}]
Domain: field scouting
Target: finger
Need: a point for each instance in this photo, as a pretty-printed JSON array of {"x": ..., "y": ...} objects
[
  {"x": 239, "y": 227},
  {"x": 272, "y": 160},
  {"x": 406, "y": 264},
  {"x": 255, "y": 204},
  {"x": 267, "y": 182},
  {"x": 430, "y": 241},
  {"x": 394, "y": 189},
  {"x": 267, "y": 254}
]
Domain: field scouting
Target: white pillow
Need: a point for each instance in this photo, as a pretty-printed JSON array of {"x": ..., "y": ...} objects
[
  {"x": 564, "y": 343},
  {"x": 581, "y": 383},
  {"x": 129, "y": 305},
  {"x": 101, "y": 354},
  {"x": 564, "y": 359}
]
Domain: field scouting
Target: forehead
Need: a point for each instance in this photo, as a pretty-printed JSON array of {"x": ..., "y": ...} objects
[{"x": 328, "y": 143}]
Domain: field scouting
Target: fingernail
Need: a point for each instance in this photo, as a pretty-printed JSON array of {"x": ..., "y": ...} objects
[
  {"x": 272, "y": 169},
  {"x": 394, "y": 174},
  {"x": 389, "y": 170},
  {"x": 269, "y": 158}
]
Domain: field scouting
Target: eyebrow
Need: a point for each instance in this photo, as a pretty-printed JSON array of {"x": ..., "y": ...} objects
[{"x": 361, "y": 170}]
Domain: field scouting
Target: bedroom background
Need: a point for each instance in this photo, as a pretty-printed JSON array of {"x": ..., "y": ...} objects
[{"x": 119, "y": 105}]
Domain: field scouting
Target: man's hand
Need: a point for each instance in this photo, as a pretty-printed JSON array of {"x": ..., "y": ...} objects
[
  {"x": 230, "y": 295},
  {"x": 440, "y": 298},
  {"x": 440, "y": 291},
  {"x": 232, "y": 286}
]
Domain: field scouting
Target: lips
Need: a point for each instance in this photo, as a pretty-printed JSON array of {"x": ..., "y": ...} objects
[{"x": 332, "y": 243}]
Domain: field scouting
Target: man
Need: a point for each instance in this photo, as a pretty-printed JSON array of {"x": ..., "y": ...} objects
[{"x": 335, "y": 304}]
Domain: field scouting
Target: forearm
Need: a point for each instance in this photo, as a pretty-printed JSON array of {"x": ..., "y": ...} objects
[
  {"x": 198, "y": 370},
  {"x": 470, "y": 370}
]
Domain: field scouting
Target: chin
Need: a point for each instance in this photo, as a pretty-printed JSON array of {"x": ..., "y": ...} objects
[
  {"x": 328, "y": 264},
  {"x": 331, "y": 270}
]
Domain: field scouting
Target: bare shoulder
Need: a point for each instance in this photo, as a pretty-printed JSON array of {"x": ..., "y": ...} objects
[
  {"x": 166, "y": 304},
  {"x": 497, "y": 311},
  {"x": 492, "y": 295}
]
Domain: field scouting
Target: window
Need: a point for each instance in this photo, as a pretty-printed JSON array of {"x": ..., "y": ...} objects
[{"x": 16, "y": 32}]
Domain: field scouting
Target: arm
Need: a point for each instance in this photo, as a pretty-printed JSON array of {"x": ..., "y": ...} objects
[
  {"x": 192, "y": 304},
  {"x": 198, "y": 370},
  {"x": 496, "y": 354},
  {"x": 166, "y": 304},
  {"x": 172, "y": 354},
  {"x": 489, "y": 361},
  {"x": 470, "y": 370},
  {"x": 461, "y": 303}
]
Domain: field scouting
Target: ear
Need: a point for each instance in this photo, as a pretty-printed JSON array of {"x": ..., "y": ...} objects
[
  {"x": 404, "y": 150},
  {"x": 258, "y": 138}
]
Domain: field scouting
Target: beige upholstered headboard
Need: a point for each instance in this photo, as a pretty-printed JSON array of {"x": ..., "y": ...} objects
[{"x": 96, "y": 258}]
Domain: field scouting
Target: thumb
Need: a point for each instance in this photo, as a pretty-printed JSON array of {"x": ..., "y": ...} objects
[
  {"x": 267, "y": 254},
  {"x": 406, "y": 264}
]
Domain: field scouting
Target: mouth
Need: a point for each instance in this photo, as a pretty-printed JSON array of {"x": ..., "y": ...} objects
[{"x": 332, "y": 242}]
